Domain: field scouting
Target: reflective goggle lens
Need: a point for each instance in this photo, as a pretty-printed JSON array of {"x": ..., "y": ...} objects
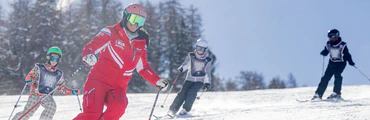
[
  {"x": 136, "y": 19},
  {"x": 53, "y": 58},
  {"x": 198, "y": 48}
]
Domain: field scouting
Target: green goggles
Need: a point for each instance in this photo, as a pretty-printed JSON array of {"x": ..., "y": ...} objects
[{"x": 136, "y": 19}]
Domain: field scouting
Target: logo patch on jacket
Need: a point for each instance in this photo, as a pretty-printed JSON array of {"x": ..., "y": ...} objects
[
  {"x": 49, "y": 80},
  {"x": 138, "y": 49},
  {"x": 120, "y": 44}
]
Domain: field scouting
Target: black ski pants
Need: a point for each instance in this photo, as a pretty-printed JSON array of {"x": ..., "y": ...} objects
[
  {"x": 186, "y": 96},
  {"x": 336, "y": 69}
]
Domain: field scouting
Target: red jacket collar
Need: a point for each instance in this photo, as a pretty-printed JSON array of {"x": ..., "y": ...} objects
[
  {"x": 50, "y": 68},
  {"x": 119, "y": 29}
]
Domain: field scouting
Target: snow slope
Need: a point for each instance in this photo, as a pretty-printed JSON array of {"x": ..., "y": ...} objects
[{"x": 278, "y": 104}]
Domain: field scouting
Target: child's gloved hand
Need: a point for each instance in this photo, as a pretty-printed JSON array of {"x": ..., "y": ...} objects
[
  {"x": 28, "y": 80},
  {"x": 76, "y": 92}
]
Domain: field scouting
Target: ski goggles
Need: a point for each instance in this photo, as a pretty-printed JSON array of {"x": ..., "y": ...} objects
[
  {"x": 333, "y": 35},
  {"x": 136, "y": 19},
  {"x": 54, "y": 58},
  {"x": 198, "y": 48}
]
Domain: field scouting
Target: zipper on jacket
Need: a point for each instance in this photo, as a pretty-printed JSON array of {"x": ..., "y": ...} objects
[
  {"x": 134, "y": 54},
  {"x": 87, "y": 96}
]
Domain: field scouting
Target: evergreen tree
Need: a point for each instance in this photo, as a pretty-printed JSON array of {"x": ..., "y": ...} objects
[{"x": 16, "y": 40}]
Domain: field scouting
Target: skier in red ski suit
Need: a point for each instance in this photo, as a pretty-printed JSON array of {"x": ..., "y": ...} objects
[{"x": 122, "y": 49}]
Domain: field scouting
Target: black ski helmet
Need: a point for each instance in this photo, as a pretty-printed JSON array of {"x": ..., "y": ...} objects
[{"x": 333, "y": 33}]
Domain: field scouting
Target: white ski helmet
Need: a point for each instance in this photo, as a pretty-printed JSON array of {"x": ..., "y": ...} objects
[{"x": 202, "y": 43}]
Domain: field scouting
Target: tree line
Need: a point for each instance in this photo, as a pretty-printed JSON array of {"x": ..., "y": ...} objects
[{"x": 33, "y": 26}]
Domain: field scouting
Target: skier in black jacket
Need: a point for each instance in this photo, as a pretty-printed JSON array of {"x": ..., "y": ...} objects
[{"x": 339, "y": 55}]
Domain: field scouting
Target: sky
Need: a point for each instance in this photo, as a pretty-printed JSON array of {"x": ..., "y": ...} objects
[{"x": 276, "y": 37}]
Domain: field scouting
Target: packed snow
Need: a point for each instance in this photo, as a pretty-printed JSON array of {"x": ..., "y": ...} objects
[{"x": 271, "y": 104}]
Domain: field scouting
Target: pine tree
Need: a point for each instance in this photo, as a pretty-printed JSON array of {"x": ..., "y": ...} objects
[
  {"x": 3, "y": 40},
  {"x": 176, "y": 39},
  {"x": 72, "y": 44},
  {"x": 88, "y": 20},
  {"x": 111, "y": 12},
  {"x": 16, "y": 40},
  {"x": 153, "y": 27}
]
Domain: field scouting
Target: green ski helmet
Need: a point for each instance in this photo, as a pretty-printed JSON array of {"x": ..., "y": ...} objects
[{"x": 54, "y": 49}]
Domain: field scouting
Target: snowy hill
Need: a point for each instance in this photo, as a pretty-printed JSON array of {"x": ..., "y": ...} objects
[{"x": 245, "y": 105}]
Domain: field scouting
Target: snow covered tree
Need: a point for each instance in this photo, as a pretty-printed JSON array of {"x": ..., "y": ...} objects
[
  {"x": 35, "y": 25},
  {"x": 292, "y": 83},
  {"x": 46, "y": 28},
  {"x": 15, "y": 41},
  {"x": 153, "y": 26},
  {"x": 194, "y": 25},
  {"x": 72, "y": 44},
  {"x": 45, "y": 31},
  {"x": 111, "y": 12},
  {"x": 177, "y": 42},
  {"x": 88, "y": 20},
  {"x": 3, "y": 40}
]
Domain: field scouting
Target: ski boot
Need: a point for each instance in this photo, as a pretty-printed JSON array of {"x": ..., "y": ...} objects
[
  {"x": 334, "y": 96},
  {"x": 316, "y": 97},
  {"x": 183, "y": 112},
  {"x": 171, "y": 113}
]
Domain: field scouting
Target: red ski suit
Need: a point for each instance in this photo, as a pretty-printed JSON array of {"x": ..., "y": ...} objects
[{"x": 107, "y": 81}]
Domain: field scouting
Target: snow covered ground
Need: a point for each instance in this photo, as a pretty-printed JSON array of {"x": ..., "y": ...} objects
[{"x": 245, "y": 105}]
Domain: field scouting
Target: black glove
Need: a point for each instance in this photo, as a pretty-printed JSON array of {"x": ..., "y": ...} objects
[
  {"x": 323, "y": 53},
  {"x": 351, "y": 63},
  {"x": 180, "y": 70},
  {"x": 207, "y": 86}
]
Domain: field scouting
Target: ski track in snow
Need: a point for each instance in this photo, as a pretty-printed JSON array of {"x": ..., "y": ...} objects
[{"x": 272, "y": 104}]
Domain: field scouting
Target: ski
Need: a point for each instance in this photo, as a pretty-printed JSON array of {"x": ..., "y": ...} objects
[
  {"x": 323, "y": 100},
  {"x": 167, "y": 116}
]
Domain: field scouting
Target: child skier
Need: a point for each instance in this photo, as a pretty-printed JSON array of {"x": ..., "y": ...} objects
[
  {"x": 43, "y": 79},
  {"x": 199, "y": 67},
  {"x": 339, "y": 55}
]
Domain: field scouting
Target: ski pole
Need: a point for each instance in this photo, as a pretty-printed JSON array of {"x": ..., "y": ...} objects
[
  {"x": 79, "y": 103},
  {"x": 155, "y": 102},
  {"x": 169, "y": 91},
  {"x": 49, "y": 94},
  {"x": 362, "y": 73},
  {"x": 18, "y": 100},
  {"x": 38, "y": 103},
  {"x": 201, "y": 94},
  {"x": 323, "y": 66}
]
